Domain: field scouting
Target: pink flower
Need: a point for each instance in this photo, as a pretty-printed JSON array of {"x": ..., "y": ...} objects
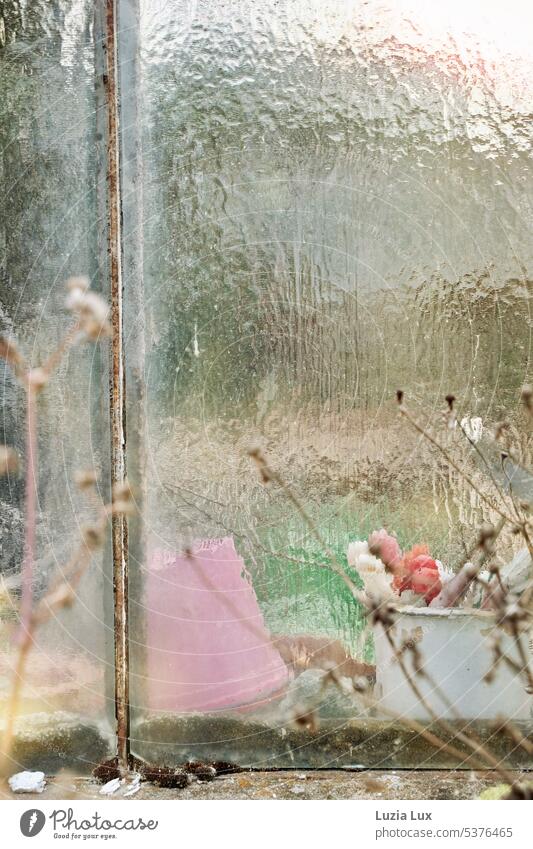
[
  {"x": 383, "y": 545},
  {"x": 415, "y": 570},
  {"x": 402, "y": 577},
  {"x": 420, "y": 574}
]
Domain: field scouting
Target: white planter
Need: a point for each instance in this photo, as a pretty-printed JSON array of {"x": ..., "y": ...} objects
[{"x": 454, "y": 645}]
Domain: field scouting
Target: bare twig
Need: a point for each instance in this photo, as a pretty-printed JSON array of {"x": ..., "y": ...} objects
[
  {"x": 30, "y": 522},
  {"x": 267, "y": 475},
  {"x": 91, "y": 312},
  {"x": 450, "y": 460},
  {"x": 473, "y": 744}
]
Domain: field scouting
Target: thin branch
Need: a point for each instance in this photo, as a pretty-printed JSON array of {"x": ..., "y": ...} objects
[
  {"x": 472, "y": 744},
  {"x": 31, "y": 518},
  {"x": 450, "y": 460},
  {"x": 268, "y": 474}
]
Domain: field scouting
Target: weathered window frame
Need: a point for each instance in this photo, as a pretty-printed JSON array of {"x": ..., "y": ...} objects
[{"x": 119, "y": 187}]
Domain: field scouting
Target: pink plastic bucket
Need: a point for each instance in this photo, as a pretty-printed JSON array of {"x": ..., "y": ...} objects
[{"x": 208, "y": 647}]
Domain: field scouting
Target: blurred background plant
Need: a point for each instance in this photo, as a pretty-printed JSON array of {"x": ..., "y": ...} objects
[{"x": 90, "y": 324}]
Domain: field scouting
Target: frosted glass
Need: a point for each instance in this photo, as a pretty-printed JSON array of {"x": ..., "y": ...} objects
[
  {"x": 48, "y": 227},
  {"x": 336, "y": 205}
]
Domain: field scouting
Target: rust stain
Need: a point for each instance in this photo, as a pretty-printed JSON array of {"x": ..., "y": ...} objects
[{"x": 117, "y": 389}]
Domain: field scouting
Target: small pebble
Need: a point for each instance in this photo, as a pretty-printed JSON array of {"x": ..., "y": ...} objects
[
  {"x": 111, "y": 786},
  {"x": 133, "y": 787},
  {"x": 27, "y": 782},
  {"x": 297, "y": 789}
]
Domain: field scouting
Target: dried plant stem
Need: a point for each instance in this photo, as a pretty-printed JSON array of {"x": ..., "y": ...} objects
[
  {"x": 526, "y": 668},
  {"x": 32, "y": 388},
  {"x": 451, "y": 461},
  {"x": 526, "y": 595},
  {"x": 60, "y": 593},
  {"x": 457, "y": 586},
  {"x": 517, "y": 737},
  {"x": 67, "y": 342},
  {"x": 520, "y": 518},
  {"x": 436, "y": 741},
  {"x": 31, "y": 517},
  {"x": 268, "y": 474},
  {"x": 473, "y": 444},
  {"x": 271, "y": 552},
  {"x": 476, "y": 746},
  {"x": 13, "y": 701},
  {"x": 91, "y": 323},
  {"x": 446, "y": 701}
]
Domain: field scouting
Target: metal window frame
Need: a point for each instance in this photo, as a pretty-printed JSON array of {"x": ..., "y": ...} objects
[{"x": 119, "y": 200}]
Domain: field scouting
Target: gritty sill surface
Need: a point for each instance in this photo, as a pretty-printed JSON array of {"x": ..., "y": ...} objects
[{"x": 296, "y": 784}]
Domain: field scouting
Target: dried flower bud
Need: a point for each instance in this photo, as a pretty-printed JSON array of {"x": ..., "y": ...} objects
[
  {"x": 307, "y": 719},
  {"x": 93, "y": 536},
  {"x": 94, "y": 317},
  {"x": 259, "y": 459},
  {"x": 90, "y": 308},
  {"x": 486, "y": 533},
  {"x": 78, "y": 284},
  {"x": 63, "y": 596},
  {"x": 122, "y": 491},
  {"x": 450, "y": 399},
  {"x": 74, "y": 300},
  {"x": 122, "y": 501},
  {"x": 399, "y": 396},
  {"x": 361, "y": 684},
  {"x": 11, "y": 354},
  {"x": 470, "y": 570},
  {"x": 381, "y": 613},
  {"x": 122, "y": 508},
  {"x": 38, "y": 378},
  {"x": 85, "y": 479},
  {"x": 513, "y": 612},
  {"x": 500, "y": 429},
  {"x": 527, "y": 396},
  {"x": 8, "y": 460}
]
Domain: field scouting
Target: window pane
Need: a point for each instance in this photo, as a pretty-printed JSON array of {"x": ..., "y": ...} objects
[
  {"x": 336, "y": 205},
  {"x": 48, "y": 229}
]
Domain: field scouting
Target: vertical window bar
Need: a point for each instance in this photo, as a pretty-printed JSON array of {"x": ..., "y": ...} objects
[
  {"x": 131, "y": 207},
  {"x": 106, "y": 31}
]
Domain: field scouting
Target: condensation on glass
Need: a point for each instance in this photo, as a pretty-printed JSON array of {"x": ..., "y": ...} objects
[
  {"x": 49, "y": 223},
  {"x": 336, "y": 200}
]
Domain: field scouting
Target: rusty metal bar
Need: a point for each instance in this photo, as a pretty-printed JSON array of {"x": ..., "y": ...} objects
[
  {"x": 119, "y": 530},
  {"x": 131, "y": 185}
]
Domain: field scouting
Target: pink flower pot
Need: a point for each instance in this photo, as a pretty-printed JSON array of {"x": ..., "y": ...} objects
[{"x": 208, "y": 647}]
